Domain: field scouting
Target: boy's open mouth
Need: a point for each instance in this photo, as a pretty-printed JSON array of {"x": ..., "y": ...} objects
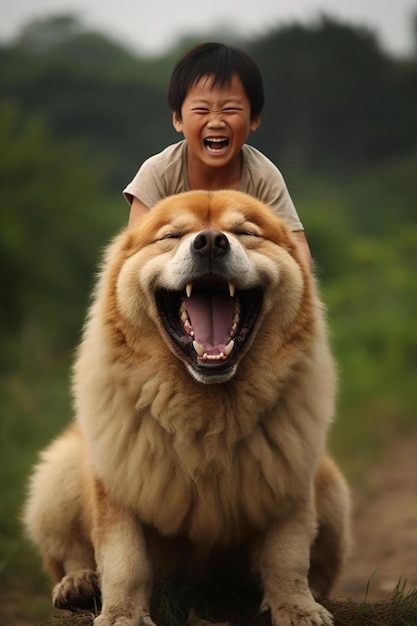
[{"x": 216, "y": 144}]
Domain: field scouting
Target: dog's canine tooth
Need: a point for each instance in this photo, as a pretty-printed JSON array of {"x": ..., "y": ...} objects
[
  {"x": 228, "y": 349},
  {"x": 232, "y": 289},
  {"x": 189, "y": 289},
  {"x": 198, "y": 348}
]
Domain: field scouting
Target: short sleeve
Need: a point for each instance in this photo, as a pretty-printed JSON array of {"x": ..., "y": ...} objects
[
  {"x": 264, "y": 181},
  {"x": 145, "y": 186}
]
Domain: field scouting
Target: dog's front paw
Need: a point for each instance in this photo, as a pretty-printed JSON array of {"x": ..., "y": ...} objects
[
  {"x": 303, "y": 613},
  {"x": 107, "y": 620},
  {"x": 77, "y": 591}
]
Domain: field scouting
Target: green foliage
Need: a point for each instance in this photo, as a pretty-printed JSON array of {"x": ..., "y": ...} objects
[
  {"x": 54, "y": 217},
  {"x": 363, "y": 237},
  {"x": 35, "y": 405},
  {"x": 91, "y": 90},
  {"x": 334, "y": 99}
]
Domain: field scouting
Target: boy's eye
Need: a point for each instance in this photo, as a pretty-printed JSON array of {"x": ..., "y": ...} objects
[{"x": 206, "y": 111}]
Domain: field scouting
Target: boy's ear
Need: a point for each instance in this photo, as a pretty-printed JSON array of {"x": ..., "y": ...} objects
[
  {"x": 176, "y": 122},
  {"x": 255, "y": 123}
]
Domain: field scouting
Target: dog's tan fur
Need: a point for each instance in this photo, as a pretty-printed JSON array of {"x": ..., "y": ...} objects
[{"x": 160, "y": 468}]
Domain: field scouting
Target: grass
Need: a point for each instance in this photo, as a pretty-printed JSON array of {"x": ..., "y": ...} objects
[
  {"x": 35, "y": 405},
  {"x": 400, "y": 610}
]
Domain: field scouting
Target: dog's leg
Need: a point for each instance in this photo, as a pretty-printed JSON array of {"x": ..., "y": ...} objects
[
  {"x": 282, "y": 562},
  {"x": 333, "y": 542},
  {"x": 123, "y": 565},
  {"x": 55, "y": 520}
]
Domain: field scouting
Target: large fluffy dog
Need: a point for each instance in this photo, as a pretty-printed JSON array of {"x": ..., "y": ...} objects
[{"x": 204, "y": 389}]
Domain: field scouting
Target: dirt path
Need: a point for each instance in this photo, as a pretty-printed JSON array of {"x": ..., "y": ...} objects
[{"x": 385, "y": 526}]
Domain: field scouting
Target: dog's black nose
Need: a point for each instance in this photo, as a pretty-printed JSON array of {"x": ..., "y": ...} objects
[{"x": 211, "y": 243}]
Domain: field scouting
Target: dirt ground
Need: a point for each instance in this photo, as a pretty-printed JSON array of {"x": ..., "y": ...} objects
[
  {"x": 385, "y": 533},
  {"x": 385, "y": 526}
]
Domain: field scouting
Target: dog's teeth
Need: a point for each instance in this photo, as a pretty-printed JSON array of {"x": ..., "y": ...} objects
[
  {"x": 228, "y": 349},
  {"x": 189, "y": 289},
  {"x": 198, "y": 348},
  {"x": 232, "y": 289}
]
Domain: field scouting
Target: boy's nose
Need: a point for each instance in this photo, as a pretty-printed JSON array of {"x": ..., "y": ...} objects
[{"x": 216, "y": 119}]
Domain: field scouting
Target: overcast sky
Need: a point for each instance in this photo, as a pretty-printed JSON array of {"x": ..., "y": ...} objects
[{"x": 152, "y": 27}]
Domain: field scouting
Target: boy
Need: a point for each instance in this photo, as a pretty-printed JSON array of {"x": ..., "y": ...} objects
[{"x": 216, "y": 97}]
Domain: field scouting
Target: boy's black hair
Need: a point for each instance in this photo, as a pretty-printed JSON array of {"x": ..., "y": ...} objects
[{"x": 221, "y": 62}]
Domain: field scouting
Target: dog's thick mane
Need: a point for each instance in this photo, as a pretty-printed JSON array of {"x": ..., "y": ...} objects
[{"x": 162, "y": 422}]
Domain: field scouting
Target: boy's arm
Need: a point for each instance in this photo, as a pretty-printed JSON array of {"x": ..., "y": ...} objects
[
  {"x": 137, "y": 209},
  {"x": 304, "y": 248}
]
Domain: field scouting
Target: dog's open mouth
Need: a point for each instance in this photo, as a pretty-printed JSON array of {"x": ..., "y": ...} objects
[{"x": 209, "y": 322}]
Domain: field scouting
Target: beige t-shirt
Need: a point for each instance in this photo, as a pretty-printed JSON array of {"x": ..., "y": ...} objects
[{"x": 165, "y": 174}]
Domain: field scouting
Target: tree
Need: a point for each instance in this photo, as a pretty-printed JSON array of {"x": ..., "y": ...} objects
[
  {"x": 45, "y": 34},
  {"x": 335, "y": 100},
  {"x": 54, "y": 219}
]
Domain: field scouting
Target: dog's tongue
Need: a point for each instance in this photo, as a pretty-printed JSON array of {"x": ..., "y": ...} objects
[{"x": 211, "y": 316}]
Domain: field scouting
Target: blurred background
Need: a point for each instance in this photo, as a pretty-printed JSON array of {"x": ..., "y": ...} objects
[{"x": 80, "y": 111}]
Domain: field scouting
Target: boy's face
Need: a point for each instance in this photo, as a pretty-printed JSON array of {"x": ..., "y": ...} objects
[{"x": 215, "y": 121}]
